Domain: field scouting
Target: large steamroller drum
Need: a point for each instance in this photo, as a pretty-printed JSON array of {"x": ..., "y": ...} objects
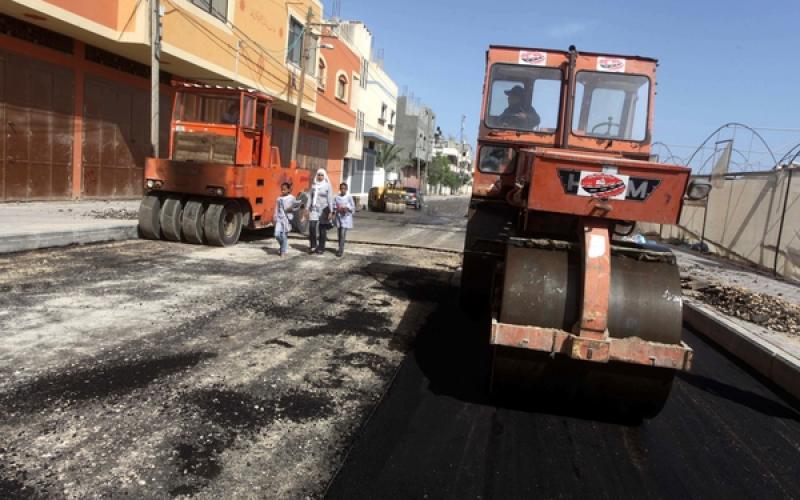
[{"x": 541, "y": 286}]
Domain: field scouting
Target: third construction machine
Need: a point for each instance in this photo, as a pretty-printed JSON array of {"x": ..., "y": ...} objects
[
  {"x": 389, "y": 197},
  {"x": 563, "y": 174}
]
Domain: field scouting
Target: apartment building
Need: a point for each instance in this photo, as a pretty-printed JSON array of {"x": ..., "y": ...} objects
[
  {"x": 75, "y": 84},
  {"x": 415, "y": 134},
  {"x": 376, "y": 112}
]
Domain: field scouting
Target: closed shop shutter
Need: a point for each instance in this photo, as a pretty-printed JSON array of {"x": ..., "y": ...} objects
[
  {"x": 116, "y": 137},
  {"x": 36, "y": 106}
]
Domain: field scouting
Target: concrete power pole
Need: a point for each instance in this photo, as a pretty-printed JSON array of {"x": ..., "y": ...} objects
[
  {"x": 462, "y": 149},
  {"x": 155, "y": 71},
  {"x": 461, "y": 138},
  {"x": 301, "y": 88}
]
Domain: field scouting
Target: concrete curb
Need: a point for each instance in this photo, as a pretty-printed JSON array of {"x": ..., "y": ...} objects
[
  {"x": 24, "y": 242},
  {"x": 778, "y": 366}
]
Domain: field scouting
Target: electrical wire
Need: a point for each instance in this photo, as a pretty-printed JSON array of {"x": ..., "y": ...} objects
[
  {"x": 130, "y": 18},
  {"x": 729, "y": 125},
  {"x": 249, "y": 38},
  {"x": 234, "y": 51}
]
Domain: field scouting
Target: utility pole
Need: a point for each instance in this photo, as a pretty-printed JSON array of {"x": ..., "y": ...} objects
[
  {"x": 419, "y": 177},
  {"x": 301, "y": 88},
  {"x": 155, "y": 71},
  {"x": 463, "y": 119}
]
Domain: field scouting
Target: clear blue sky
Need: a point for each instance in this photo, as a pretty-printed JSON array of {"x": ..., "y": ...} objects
[{"x": 720, "y": 61}]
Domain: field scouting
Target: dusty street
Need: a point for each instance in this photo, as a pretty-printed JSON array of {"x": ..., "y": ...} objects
[
  {"x": 157, "y": 370},
  {"x": 151, "y": 369}
]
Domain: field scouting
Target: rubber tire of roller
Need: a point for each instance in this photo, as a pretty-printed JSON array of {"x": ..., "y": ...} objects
[
  {"x": 171, "y": 218},
  {"x": 150, "y": 217},
  {"x": 298, "y": 225},
  {"x": 192, "y": 220},
  {"x": 476, "y": 282},
  {"x": 223, "y": 224}
]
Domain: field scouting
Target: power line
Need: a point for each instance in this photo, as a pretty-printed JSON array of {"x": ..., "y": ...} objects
[{"x": 233, "y": 51}]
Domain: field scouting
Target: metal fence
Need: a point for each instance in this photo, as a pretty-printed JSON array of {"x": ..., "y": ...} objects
[{"x": 749, "y": 216}]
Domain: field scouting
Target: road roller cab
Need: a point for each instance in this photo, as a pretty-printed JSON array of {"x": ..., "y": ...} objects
[
  {"x": 562, "y": 176},
  {"x": 222, "y": 173}
]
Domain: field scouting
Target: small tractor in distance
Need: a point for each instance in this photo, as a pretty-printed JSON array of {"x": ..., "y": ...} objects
[
  {"x": 562, "y": 176},
  {"x": 387, "y": 198},
  {"x": 222, "y": 174}
]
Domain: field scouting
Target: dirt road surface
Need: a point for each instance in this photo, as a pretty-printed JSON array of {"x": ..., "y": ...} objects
[{"x": 155, "y": 370}]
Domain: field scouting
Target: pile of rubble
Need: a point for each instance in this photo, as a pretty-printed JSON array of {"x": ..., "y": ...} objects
[
  {"x": 770, "y": 312},
  {"x": 114, "y": 213}
]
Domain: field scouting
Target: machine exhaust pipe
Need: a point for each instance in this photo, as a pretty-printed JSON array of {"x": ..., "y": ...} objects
[{"x": 567, "y": 122}]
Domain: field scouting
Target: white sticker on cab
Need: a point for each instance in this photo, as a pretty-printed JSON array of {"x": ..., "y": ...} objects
[
  {"x": 611, "y": 64},
  {"x": 533, "y": 58}
]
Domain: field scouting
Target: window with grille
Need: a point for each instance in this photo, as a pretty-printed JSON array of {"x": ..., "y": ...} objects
[
  {"x": 359, "y": 125},
  {"x": 382, "y": 118},
  {"x": 322, "y": 74},
  {"x": 341, "y": 87},
  {"x": 294, "y": 52},
  {"x": 217, "y": 8},
  {"x": 364, "y": 73}
]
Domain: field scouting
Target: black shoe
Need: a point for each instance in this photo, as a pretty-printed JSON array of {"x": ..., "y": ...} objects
[
  {"x": 320, "y": 252},
  {"x": 339, "y": 254}
]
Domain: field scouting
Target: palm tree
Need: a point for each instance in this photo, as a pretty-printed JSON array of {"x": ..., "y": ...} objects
[{"x": 387, "y": 155}]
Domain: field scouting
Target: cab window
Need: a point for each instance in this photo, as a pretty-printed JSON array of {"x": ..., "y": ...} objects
[
  {"x": 524, "y": 98},
  {"x": 611, "y": 105},
  {"x": 496, "y": 160},
  {"x": 207, "y": 108}
]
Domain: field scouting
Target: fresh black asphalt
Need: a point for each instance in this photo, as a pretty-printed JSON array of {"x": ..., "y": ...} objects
[{"x": 437, "y": 434}]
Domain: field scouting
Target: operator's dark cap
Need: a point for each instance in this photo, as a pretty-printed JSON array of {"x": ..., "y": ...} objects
[{"x": 516, "y": 90}]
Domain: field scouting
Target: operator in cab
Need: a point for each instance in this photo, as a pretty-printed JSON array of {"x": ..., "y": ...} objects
[
  {"x": 231, "y": 115},
  {"x": 519, "y": 114}
]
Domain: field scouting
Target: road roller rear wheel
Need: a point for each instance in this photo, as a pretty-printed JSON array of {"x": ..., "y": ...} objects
[
  {"x": 149, "y": 217},
  {"x": 617, "y": 390},
  {"x": 300, "y": 216},
  {"x": 192, "y": 220},
  {"x": 637, "y": 391},
  {"x": 223, "y": 224},
  {"x": 171, "y": 215}
]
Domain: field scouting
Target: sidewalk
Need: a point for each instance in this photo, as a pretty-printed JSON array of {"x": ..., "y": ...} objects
[
  {"x": 749, "y": 313},
  {"x": 29, "y": 226}
]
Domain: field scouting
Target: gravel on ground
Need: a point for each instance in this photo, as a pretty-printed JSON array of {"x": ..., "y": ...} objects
[{"x": 151, "y": 370}]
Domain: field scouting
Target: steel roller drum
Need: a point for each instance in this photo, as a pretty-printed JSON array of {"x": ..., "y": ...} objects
[{"x": 541, "y": 287}]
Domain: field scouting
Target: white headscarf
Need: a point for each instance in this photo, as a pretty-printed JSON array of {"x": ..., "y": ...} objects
[
  {"x": 326, "y": 180},
  {"x": 323, "y": 186}
]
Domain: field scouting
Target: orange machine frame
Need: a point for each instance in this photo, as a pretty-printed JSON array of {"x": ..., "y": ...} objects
[
  {"x": 254, "y": 178},
  {"x": 539, "y": 182}
]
